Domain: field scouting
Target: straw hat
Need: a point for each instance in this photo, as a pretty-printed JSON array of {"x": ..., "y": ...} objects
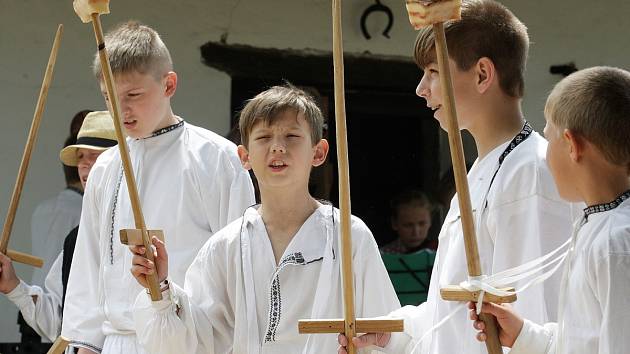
[{"x": 97, "y": 133}]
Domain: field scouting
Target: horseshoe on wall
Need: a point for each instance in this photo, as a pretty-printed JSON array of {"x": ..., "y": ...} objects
[{"x": 378, "y": 7}]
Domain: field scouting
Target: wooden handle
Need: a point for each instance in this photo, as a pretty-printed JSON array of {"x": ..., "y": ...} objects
[
  {"x": 457, "y": 293},
  {"x": 134, "y": 236},
  {"x": 493, "y": 344},
  {"x": 457, "y": 153},
  {"x": 28, "y": 149},
  {"x": 25, "y": 258},
  {"x": 59, "y": 346},
  {"x": 108, "y": 78},
  {"x": 461, "y": 181},
  {"x": 363, "y": 325},
  {"x": 344, "y": 179}
]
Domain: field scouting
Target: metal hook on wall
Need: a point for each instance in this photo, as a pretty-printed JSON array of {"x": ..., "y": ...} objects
[{"x": 378, "y": 7}]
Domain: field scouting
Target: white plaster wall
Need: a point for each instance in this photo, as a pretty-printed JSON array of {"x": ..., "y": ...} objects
[{"x": 562, "y": 31}]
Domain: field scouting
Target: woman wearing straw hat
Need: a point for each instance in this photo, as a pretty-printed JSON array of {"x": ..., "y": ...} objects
[{"x": 42, "y": 308}]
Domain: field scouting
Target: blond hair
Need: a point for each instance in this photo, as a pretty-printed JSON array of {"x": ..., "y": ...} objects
[
  {"x": 486, "y": 29},
  {"x": 134, "y": 47},
  {"x": 268, "y": 105},
  {"x": 595, "y": 103}
]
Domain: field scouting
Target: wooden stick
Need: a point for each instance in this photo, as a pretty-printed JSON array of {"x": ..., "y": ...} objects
[
  {"x": 108, "y": 78},
  {"x": 28, "y": 150},
  {"x": 344, "y": 179},
  {"x": 363, "y": 325},
  {"x": 457, "y": 293},
  {"x": 58, "y": 346},
  {"x": 25, "y": 258},
  {"x": 461, "y": 182},
  {"x": 349, "y": 325}
]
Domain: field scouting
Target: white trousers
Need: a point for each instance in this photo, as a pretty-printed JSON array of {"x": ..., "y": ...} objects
[{"x": 122, "y": 344}]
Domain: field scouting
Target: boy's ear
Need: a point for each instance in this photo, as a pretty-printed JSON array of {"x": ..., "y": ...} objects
[
  {"x": 321, "y": 151},
  {"x": 243, "y": 155},
  {"x": 171, "y": 83},
  {"x": 486, "y": 74},
  {"x": 575, "y": 144}
]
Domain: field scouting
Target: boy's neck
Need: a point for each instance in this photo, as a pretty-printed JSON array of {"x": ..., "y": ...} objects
[
  {"x": 602, "y": 182},
  {"x": 284, "y": 213},
  {"x": 496, "y": 125},
  {"x": 169, "y": 120}
]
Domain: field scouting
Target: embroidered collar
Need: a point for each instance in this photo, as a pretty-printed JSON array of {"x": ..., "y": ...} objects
[
  {"x": 519, "y": 138},
  {"x": 525, "y": 133},
  {"x": 167, "y": 129},
  {"x": 598, "y": 208}
]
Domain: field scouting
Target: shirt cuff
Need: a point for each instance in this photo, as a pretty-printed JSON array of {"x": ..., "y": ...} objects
[
  {"x": 18, "y": 294},
  {"x": 398, "y": 343},
  {"x": 533, "y": 339}
]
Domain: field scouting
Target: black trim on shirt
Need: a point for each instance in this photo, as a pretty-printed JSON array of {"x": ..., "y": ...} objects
[{"x": 598, "y": 208}]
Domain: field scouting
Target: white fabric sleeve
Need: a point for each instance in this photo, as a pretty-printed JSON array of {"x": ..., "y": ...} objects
[
  {"x": 524, "y": 230},
  {"x": 43, "y": 315},
  {"x": 226, "y": 189},
  {"x": 83, "y": 313},
  {"x": 371, "y": 301},
  {"x": 535, "y": 339},
  {"x": 611, "y": 283},
  {"x": 162, "y": 326},
  {"x": 194, "y": 320},
  {"x": 415, "y": 326}
]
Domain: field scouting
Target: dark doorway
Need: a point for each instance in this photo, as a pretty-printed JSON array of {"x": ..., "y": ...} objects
[{"x": 393, "y": 139}]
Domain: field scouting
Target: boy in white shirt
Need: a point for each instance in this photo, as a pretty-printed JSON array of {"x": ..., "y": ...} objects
[
  {"x": 518, "y": 213},
  {"x": 588, "y": 125},
  {"x": 253, "y": 281},
  {"x": 189, "y": 180}
]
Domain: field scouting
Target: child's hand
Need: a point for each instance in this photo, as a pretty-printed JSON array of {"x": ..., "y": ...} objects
[
  {"x": 510, "y": 323},
  {"x": 378, "y": 339},
  {"x": 141, "y": 267},
  {"x": 8, "y": 279}
]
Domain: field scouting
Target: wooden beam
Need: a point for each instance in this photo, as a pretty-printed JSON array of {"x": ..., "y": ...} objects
[{"x": 363, "y": 325}]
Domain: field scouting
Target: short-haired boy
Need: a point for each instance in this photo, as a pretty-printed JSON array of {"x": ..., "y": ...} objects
[
  {"x": 588, "y": 124},
  {"x": 253, "y": 281},
  {"x": 190, "y": 184},
  {"x": 518, "y": 213}
]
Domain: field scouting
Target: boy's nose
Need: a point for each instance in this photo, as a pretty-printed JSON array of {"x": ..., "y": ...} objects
[
  {"x": 278, "y": 148},
  {"x": 422, "y": 89}
]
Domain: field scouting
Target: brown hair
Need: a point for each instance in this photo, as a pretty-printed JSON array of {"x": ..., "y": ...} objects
[
  {"x": 595, "y": 103},
  {"x": 134, "y": 47},
  {"x": 486, "y": 29},
  {"x": 268, "y": 105},
  {"x": 410, "y": 197}
]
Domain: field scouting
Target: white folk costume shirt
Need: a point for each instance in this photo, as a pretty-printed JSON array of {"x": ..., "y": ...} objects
[
  {"x": 596, "y": 306},
  {"x": 522, "y": 219},
  {"x": 44, "y": 316},
  {"x": 191, "y": 184},
  {"x": 51, "y": 222},
  {"x": 237, "y": 300}
]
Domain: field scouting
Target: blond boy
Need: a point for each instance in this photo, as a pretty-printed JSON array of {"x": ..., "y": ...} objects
[
  {"x": 253, "y": 281},
  {"x": 588, "y": 124},
  {"x": 190, "y": 183}
]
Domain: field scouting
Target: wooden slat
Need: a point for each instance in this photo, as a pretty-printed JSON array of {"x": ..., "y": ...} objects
[
  {"x": 363, "y": 325},
  {"x": 457, "y": 293}
]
